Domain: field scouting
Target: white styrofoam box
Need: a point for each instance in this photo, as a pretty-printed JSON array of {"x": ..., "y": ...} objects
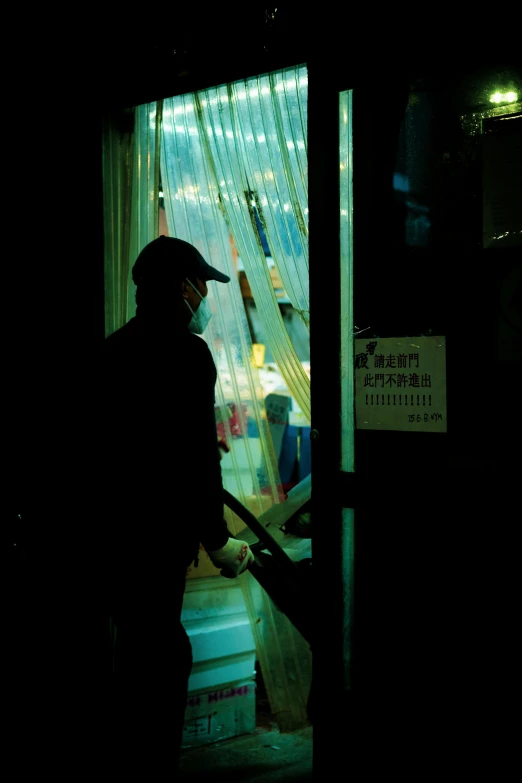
[
  {"x": 220, "y": 714},
  {"x": 215, "y": 618}
]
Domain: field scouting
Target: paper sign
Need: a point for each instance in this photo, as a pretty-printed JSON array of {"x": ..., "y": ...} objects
[{"x": 400, "y": 384}]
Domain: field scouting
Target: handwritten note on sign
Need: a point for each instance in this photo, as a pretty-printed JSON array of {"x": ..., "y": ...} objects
[{"x": 400, "y": 384}]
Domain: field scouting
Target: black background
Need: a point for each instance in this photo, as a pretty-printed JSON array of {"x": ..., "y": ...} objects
[{"x": 436, "y": 568}]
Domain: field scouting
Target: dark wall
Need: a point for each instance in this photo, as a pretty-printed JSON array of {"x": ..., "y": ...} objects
[{"x": 435, "y": 577}]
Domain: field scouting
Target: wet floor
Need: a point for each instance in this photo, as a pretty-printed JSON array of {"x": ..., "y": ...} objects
[{"x": 267, "y": 755}]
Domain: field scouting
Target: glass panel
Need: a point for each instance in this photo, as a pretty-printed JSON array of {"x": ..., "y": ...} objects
[{"x": 347, "y": 360}]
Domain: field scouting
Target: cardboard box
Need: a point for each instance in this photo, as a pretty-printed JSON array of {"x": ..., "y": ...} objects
[{"x": 220, "y": 714}]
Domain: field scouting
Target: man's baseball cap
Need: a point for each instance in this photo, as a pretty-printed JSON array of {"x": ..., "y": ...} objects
[{"x": 167, "y": 257}]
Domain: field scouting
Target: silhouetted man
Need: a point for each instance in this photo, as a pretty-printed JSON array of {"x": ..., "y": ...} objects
[{"x": 163, "y": 491}]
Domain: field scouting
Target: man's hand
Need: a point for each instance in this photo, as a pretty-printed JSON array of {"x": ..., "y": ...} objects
[{"x": 233, "y": 559}]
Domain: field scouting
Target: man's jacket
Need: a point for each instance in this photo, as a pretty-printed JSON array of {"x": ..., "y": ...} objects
[{"x": 162, "y": 474}]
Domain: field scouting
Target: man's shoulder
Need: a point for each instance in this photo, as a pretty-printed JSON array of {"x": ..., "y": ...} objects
[
  {"x": 124, "y": 336},
  {"x": 131, "y": 335},
  {"x": 200, "y": 351},
  {"x": 197, "y": 343}
]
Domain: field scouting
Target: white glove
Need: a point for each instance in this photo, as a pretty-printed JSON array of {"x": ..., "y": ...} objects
[{"x": 233, "y": 558}]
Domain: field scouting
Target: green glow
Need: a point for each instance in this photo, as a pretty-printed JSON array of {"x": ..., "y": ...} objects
[{"x": 503, "y": 97}]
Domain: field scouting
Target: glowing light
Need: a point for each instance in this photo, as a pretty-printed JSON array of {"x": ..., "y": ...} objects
[{"x": 503, "y": 97}]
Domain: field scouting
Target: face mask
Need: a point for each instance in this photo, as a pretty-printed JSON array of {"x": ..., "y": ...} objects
[{"x": 201, "y": 317}]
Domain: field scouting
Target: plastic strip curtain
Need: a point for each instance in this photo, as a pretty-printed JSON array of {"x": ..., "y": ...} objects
[
  {"x": 255, "y": 131},
  {"x": 194, "y": 213},
  {"x": 130, "y": 198},
  {"x": 273, "y": 119},
  {"x": 196, "y": 208},
  {"x": 145, "y": 198},
  {"x": 117, "y": 161}
]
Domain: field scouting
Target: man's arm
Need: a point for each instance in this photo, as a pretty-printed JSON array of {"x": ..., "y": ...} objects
[
  {"x": 204, "y": 455},
  {"x": 225, "y": 552}
]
